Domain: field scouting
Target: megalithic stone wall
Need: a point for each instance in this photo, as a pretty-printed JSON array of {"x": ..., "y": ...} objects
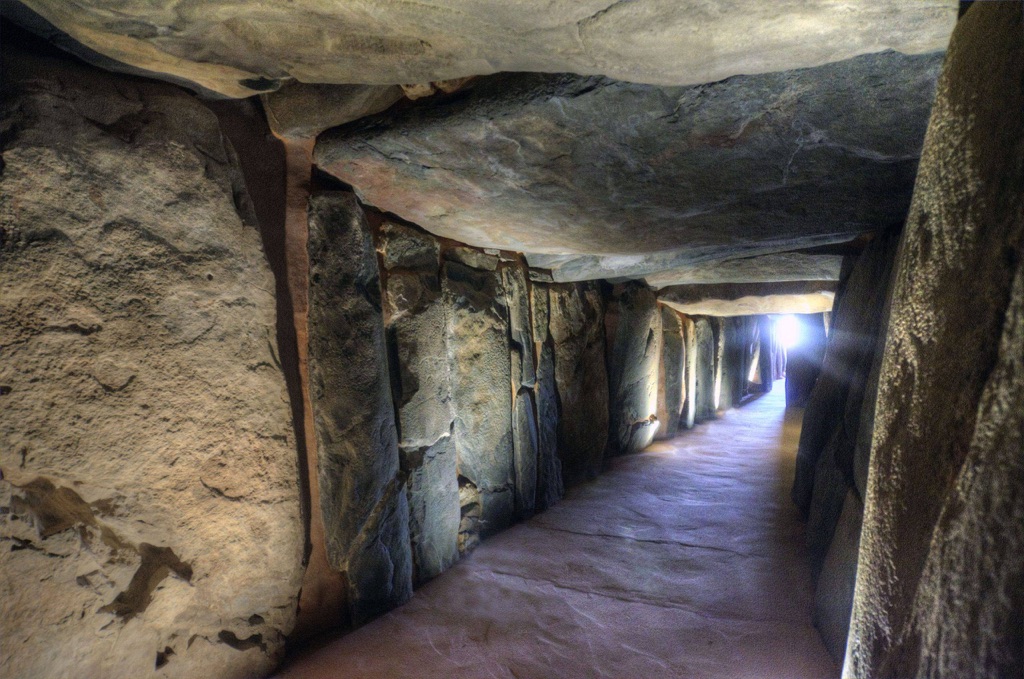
[
  {"x": 689, "y": 413},
  {"x": 803, "y": 361},
  {"x": 149, "y": 494},
  {"x": 577, "y": 327},
  {"x": 940, "y": 579},
  {"x": 671, "y": 373},
  {"x": 362, "y": 496},
  {"x": 824, "y": 487},
  {"x": 415, "y": 317},
  {"x": 633, "y": 358},
  {"x": 704, "y": 369}
]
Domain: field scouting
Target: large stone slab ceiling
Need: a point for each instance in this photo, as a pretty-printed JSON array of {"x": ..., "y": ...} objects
[
  {"x": 597, "y": 178},
  {"x": 238, "y": 49}
]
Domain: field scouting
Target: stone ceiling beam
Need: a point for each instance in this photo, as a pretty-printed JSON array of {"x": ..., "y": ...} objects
[{"x": 239, "y": 49}]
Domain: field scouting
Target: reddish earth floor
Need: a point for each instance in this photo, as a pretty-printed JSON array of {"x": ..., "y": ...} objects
[{"x": 686, "y": 560}]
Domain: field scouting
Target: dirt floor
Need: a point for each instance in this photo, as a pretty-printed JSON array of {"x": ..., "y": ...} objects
[{"x": 686, "y": 560}]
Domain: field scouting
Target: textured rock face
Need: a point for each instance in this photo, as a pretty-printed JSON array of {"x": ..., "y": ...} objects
[
  {"x": 362, "y": 498},
  {"x": 481, "y": 375},
  {"x": 581, "y": 378},
  {"x": 940, "y": 581},
  {"x": 750, "y": 299},
  {"x": 634, "y": 353},
  {"x": 803, "y": 361},
  {"x": 303, "y": 111},
  {"x": 149, "y": 507},
  {"x": 416, "y": 330},
  {"x": 596, "y": 179},
  {"x": 704, "y": 370},
  {"x": 239, "y": 50},
  {"x": 670, "y": 374}
]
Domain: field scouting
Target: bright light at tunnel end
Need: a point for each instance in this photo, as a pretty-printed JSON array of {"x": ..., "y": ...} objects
[{"x": 788, "y": 328}]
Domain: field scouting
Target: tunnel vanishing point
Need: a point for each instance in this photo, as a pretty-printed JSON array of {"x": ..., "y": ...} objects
[{"x": 387, "y": 339}]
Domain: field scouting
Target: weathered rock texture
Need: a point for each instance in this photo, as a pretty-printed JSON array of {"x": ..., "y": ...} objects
[
  {"x": 833, "y": 433},
  {"x": 704, "y": 370},
  {"x": 362, "y": 497},
  {"x": 634, "y": 353},
  {"x": 581, "y": 378},
  {"x": 770, "y": 354},
  {"x": 415, "y": 319},
  {"x": 481, "y": 377},
  {"x": 594, "y": 178},
  {"x": 940, "y": 581},
  {"x": 239, "y": 50},
  {"x": 670, "y": 374},
  {"x": 750, "y": 299},
  {"x": 149, "y": 507},
  {"x": 303, "y": 111},
  {"x": 803, "y": 361}
]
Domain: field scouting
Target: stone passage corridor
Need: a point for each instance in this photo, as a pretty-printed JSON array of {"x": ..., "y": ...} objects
[{"x": 686, "y": 561}]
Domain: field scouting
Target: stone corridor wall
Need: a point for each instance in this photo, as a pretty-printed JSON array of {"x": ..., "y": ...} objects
[
  {"x": 155, "y": 514},
  {"x": 940, "y": 577},
  {"x": 150, "y": 500},
  {"x": 836, "y": 435}
]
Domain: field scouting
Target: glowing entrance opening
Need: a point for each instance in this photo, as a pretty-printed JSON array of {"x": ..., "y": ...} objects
[{"x": 788, "y": 328}]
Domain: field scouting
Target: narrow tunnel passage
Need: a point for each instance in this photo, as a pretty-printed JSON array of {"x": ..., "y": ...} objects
[{"x": 687, "y": 559}]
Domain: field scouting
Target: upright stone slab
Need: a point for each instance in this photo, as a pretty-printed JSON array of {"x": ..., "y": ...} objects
[
  {"x": 363, "y": 501},
  {"x": 577, "y": 330},
  {"x": 481, "y": 378},
  {"x": 416, "y": 334},
  {"x": 549, "y": 466},
  {"x": 704, "y": 369},
  {"x": 633, "y": 368},
  {"x": 736, "y": 338},
  {"x": 670, "y": 373},
  {"x": 689, "y": 413},
  {"x": 149, "y": 488},
  {"x": 940, "y": 580},
  {"x": 524, "y": 378}
]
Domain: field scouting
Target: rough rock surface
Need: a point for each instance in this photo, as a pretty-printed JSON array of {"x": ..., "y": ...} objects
[
  {"x": 239, "y": 50},
  {"x": 670, "y": 374},
  {"x": 803, "y": 361},
  {"x": 649, "y": 177},
  {"x": 833, "y": 596},
  {"x": 415, "y": 319},
  {"x": 940, "y": 581},
  {"x": 751, "y": 299},
  {"x": 149, "y": 501},
  {"x": 777, "y": 268},
  {"x": 481, "y": 377},
  {"x": 362, "y": 497},
  {"x": 581, "y": 378},
  {"x": 704, "y": 370},
  {"x": 303, "y": 111}
]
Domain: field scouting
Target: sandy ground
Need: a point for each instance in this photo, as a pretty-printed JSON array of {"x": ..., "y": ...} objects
[{"x": 686, "y": 560}]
